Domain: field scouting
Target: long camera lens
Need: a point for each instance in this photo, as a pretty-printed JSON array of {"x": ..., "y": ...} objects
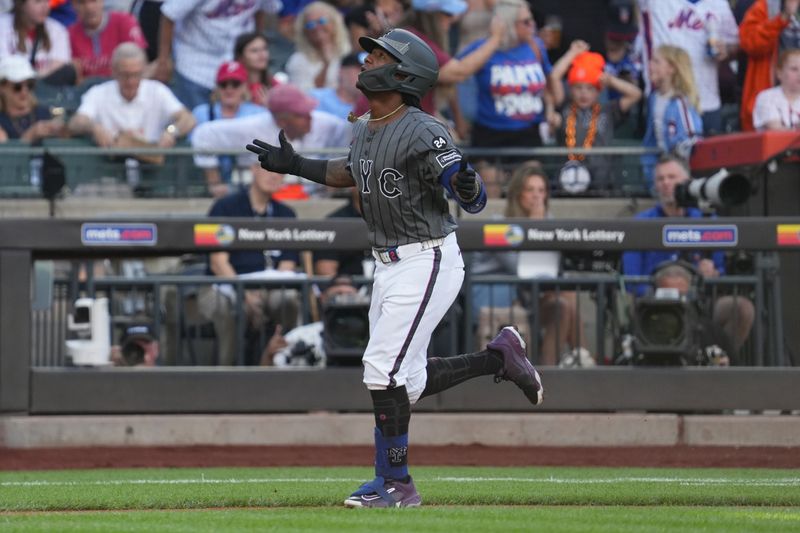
[{"x": 723, "y": 189}]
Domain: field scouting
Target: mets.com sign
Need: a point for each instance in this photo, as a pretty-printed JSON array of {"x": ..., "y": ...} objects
[
  {"x": 118, "y": 234},
  {"x": 700, "y": 235}
]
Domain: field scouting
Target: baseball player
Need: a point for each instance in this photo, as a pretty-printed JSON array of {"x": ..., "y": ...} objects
[{"x": 402, "y": 160}]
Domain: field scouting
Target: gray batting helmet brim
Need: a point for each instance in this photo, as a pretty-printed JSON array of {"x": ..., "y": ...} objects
[{"x": 368, "y": 44}]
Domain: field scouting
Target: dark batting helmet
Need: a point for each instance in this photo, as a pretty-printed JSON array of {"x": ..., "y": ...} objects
[{"x": 415, "y": 72}]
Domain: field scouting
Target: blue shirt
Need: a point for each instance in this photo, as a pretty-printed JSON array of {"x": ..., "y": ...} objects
[
  {"x": 511, "y": 87},
  {"x": 201, "y": 113},
  {"x": 237, "y": 204},
  {"x": 330, "y": 102},
  {"x": 640, "y": 263}
]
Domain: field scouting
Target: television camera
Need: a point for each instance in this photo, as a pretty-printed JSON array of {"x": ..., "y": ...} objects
[{"x": 673, "y": 327}]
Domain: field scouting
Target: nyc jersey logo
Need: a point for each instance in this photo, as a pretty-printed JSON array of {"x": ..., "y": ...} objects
[{"x": 386, "y": 179}]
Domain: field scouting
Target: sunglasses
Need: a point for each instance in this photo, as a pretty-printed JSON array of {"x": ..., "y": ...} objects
[
  {"x": 311, "y": 24},
  {"x": 229, "y": 83},
  {"x": 17, "y": 87}
]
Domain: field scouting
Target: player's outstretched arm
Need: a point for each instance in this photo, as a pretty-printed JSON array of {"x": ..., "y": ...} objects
[{"x": 283, "y": 159}]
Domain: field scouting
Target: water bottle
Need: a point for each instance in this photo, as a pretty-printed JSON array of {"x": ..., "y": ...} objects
[
  {"x": 132, "y": 172},
  {"x": 35, "y": 172},
  {"x": 713, "y": 41}
]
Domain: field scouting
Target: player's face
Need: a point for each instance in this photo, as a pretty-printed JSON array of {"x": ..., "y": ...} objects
[
  {"x": 128, "y": 74},
  {"x": 375, "y": 59},
  {"x": 524, "y": 24},
  {"x": 90, "y": 12},
  {"x": 36, "y": 11},
  {"x": 533, "y": 196},
  {"x": 584, "y": 94},
  {"x": 667, "y": 176},
  {"x": 255, "y": 55},
  {"x": 789, "y": 74}
]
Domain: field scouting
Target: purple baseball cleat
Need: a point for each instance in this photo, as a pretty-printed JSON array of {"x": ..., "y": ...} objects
[
  {"x": 516, "y": 366},
  {"x": 385, "y": 493}
]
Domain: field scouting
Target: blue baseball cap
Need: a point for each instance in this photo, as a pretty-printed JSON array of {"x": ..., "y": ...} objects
[{"x": 451, "y": 7}]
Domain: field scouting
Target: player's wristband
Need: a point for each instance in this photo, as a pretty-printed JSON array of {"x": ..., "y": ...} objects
[
  {"x": 311, "y": 169},
  {"x": 478, "y": 189},
  {"x": 478, "y": 203}
]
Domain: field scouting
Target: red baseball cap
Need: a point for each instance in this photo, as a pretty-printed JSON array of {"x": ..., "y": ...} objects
[{"x": 231, "y": 70}]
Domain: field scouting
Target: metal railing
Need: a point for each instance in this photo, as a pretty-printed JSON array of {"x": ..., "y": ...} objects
[
  {"x": 103, "y": 171},
  {"x": 187, "y": 339}
]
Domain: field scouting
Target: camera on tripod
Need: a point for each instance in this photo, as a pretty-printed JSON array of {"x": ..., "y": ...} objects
[
  {"x": 672, "y": 327},
  {"x": 345, "y": 329}
]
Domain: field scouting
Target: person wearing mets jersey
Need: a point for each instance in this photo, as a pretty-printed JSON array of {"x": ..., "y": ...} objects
[{"x": 402, "y": 160}]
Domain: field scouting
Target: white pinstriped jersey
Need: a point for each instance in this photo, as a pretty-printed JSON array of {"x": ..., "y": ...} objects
[
  {"x": 205, "y": 31},
  {"x": 396, "y": 168},
  {"x": 687, "y": 24}
]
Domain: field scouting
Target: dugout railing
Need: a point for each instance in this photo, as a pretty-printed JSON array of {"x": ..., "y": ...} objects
[
  {"x": 27, "y": 388},
  {"x": 602, "y": 308}
]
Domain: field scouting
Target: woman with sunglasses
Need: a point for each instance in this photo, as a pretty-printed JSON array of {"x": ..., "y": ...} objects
[
  {"x": 252, "y": 51},
  {"x": 230, "y": 99},
  {"x": 322, "y": 40},
  {"x": 28, "y": 31},
  {"x": 514, "y": 84},
  {"x": 20, "y": 116}
]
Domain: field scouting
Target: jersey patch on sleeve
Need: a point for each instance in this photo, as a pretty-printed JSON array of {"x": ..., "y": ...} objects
[
  {"x": 446, "y": 158},
  {"x": 439, "y": 142}
]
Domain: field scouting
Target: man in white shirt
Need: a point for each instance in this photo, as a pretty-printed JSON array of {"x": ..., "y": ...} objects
[
  {"x": 291, "y": 110},
  {"x": 707, "y": 30},
  {"x": 129, "y": 106},
  {"x": 201, "y": 33}
]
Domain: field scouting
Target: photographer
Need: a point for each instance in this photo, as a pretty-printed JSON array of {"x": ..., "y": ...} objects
[
  {"x": 137, "y": 347},
  {"x": 731, "y": 315},
  {"x": 303, "y": 345}
]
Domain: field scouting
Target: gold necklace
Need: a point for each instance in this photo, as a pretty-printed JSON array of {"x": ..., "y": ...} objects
[{"x": 352, "y": 117}]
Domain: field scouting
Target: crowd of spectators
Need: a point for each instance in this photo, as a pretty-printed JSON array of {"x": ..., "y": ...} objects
[
  {"x": 219, "y": 73},
  {"x": 660, "y": 72}
]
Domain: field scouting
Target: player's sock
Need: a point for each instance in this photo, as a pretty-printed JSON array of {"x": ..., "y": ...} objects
[
  {"x": 392, "y": 415},
  {"x": 446, "y": 372}
]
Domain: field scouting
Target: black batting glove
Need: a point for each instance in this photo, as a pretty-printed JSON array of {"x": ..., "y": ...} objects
[
  {"x": 283, "y": 159},
  {"x": 465, "y": 182}
]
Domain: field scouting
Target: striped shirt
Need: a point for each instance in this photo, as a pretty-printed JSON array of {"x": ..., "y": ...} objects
[{"x": 396, "y": 168}]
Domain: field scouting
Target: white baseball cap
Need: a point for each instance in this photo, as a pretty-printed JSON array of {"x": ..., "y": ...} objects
[{"x": 16, "y": 69}]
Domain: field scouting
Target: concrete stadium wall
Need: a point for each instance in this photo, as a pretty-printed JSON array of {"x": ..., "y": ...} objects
[{"x": 497, "y": 429}]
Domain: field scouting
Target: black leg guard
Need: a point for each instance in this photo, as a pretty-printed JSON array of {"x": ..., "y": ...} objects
[
  {"x": 392, "y": 411},
  {"x": 446, "y": 372}
]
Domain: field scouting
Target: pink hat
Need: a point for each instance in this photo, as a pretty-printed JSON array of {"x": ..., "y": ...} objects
[
  {"x": 231, "y": 70},
  {"x": 286, "y": 98}
]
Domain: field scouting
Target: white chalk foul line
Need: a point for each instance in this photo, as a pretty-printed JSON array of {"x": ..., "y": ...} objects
[{"x": 777, "y": 482}]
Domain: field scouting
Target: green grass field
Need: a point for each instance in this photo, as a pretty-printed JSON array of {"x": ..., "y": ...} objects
[{"x": 454, "y": 499}]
